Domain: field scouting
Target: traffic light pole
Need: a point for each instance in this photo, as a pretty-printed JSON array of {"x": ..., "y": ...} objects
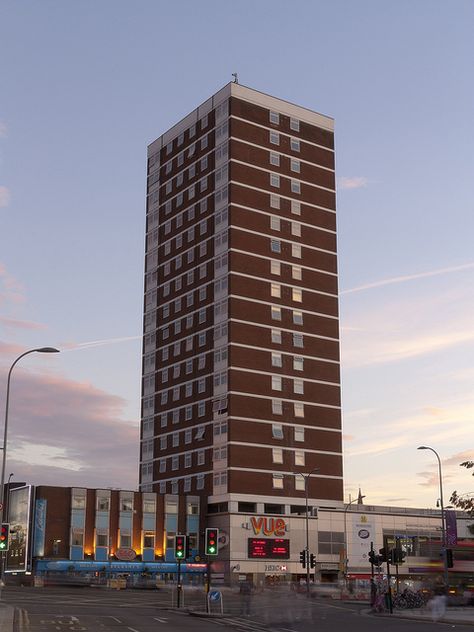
[
  {"x": 178, "y": 587},
  {"x": 389, "y": 592}
]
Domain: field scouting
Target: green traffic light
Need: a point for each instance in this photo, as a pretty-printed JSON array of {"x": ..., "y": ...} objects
[{"x": 212, "y": 549}]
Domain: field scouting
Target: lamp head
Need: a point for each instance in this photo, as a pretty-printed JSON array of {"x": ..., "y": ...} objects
[
  {"x": 47, "y": 350},
  {"x": 423, "y": 447}
]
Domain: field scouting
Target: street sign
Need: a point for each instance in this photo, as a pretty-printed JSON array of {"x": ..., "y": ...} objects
[{"x": 214, "y": 595}]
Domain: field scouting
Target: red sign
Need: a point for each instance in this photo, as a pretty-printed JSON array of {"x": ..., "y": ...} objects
[
  {"x": 269, "y": 548},
  {"x": 126, "y": 555}
]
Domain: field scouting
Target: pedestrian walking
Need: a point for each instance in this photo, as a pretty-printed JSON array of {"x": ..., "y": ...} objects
[
  {"x": 437, "y": 606},
  {"x": 246, "y": 590}
]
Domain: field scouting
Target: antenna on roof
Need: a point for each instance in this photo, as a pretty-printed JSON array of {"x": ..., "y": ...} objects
[{"x": 236, "y": 77}]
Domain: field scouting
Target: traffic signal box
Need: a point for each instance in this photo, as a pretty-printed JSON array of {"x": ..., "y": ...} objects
[
  {"x": 449, "y": 558},
  {"x": 5, "y": 537},
  {"x": 303, "y": 558},
  {"x": 212, "y": 547},
  {"x": 180, "y": 547}
]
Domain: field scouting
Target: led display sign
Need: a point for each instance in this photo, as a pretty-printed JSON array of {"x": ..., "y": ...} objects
[{"x": 269, "y": 548}]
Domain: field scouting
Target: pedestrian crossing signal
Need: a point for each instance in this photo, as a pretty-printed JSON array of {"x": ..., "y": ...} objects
[{"x": 5, "y": 537}]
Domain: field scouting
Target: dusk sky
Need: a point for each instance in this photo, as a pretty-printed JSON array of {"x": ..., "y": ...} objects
[{"x": 87, "y": 85}]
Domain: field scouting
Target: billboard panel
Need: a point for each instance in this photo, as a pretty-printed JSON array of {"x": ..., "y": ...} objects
[{"x": 19, "y": 507}]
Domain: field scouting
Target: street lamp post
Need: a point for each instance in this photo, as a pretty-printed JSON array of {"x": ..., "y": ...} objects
[
  {"x": 443, "y": 524},
  {"x": 306, "y": 478},
  {"x": 5, "y": 436},
  {"x": 346, "y": 560}
]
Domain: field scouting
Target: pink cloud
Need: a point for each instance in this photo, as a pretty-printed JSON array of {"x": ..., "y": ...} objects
[
  {"x": 8, "y": 348},
  {"x": 11, "y": 323},
  {"x": 10, "y": 289},
  {"x": 58, "y": 421},
  {"x": 354, "y": 182},
  {"x": 4, "y": 196}
]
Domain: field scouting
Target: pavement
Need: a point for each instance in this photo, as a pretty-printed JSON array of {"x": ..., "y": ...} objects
[
  {"x": 454, "y": 615},
  {"x": 6, "y": 618}
]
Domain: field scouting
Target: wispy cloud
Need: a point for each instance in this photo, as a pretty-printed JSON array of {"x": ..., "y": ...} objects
[
  {"x": 11, "y": 290},
  {"x": 3, "y": 129},
  {"x": 409, "y": 277},
  {"x": 4, "y": 196},
  {"x": 354, "y": 182}
]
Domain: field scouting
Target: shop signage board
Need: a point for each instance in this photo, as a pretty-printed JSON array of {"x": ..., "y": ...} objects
[{"x": 269, "y": 548}]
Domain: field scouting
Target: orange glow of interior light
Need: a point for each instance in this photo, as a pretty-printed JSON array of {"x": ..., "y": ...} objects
[
  {"x": 88, "y": 551},
  {"x": 158, "y": 552}
]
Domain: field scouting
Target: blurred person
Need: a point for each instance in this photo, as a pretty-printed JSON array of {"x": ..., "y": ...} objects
[{"x": 246, "y": 590}]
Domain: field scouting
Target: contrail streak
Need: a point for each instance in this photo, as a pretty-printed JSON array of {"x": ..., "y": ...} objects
[
  {"x": 408, "y": 277},
  {"x": 97, "y": 343}
]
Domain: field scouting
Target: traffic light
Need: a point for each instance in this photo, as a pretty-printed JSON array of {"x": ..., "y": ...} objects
[
  {"x": 212, "y": 547},
  {"x": 399, "y": 555},
  {"x": 449, "y": 558},
  {"x": 180, "y": 547},
  {"x": 383, "y": 555},
  {"x": 312, "y": 561},
  {"x": 5, "y": 537},
  {"x": 392, "y": 556},
  {"x": 303, "y": 558},
  {"x": 373, "y": 558}
]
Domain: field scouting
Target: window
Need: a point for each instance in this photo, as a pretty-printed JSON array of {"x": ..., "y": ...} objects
[
  {"x": 295, "y": 165},
  {"x": 275, "y": 290},
  {"x": 177, "y": 327},
  {"x": 187, "y": 484},
  {"x": 163, "y": 420},
  {"x": 296, "y": 251},
  {"x": 277, "y": 431},
  {"x": 189, "y": 321},
  {"x": 202, "y": 339},
  {"x": 297, "y": 294},
  {"x": 175, "y": 463},
  {"x": 200, "y": 481},
  {"x": 201, "y": 457},
  {"x": 202, "y": 293},
  {"x": 299, "y": 484},
  {"x": 295, "y": 186},
  {"x": 275, "y": 245},
  {"x": 298, "y": 386},
  {"x": 299, "y": 433},
  {"x": 274, "y": 223},
  {"x": 276, "y": 359},
  {"x": 204, "y": 142},
  {"x": 179, "y": 179},
  {"x": 276, "y": 336},
  {"x": 277, "y": 455},
  {"x": 298, "y": 363},
  {"x": 189, "y": 366},
  {"x": 278, "y": 481},
  {"x": 298, "y": 340},
  {"x": 176, "y": 416},
  {"x": 202, "y": 315},
  {"x": 274, "y": 200},
  {"x": 201, "y": 409},
  {"x": 275, "y": 268},
  {"x": 295, "y": 207},
  {"x": 164, "y": 375},
  {"x": 203, "y": 164},
  {"x": 188, "y": 413},
  {"x": 299, "y": 409},
  {"x": 274, "y": 138},
  {"x": 297, "y": 317},
  {"x": 188, "y": 460},
  {"x": 276, "y": 383},
  {"x": 274, "y": 118},
  {"x": 201, "y": 362},
  {"x": 277, "y": 407},
  {"x": 295, "y": 144},
  {"x": 296, "y": 229},
  {"x": 296, "y": 272},
  {"x": 103, "y": 503},
  {"x": 189, "y": 343},
  {"x": 202, "y": 385},
  {"x": 294, "y": 124},
  {"x": 276, "y": 313},
  {"x": 274, "y": 180},
  {"x": 164, "y": 397},
  {"x": 188, "y": 436},
  {"x": 163, "y": 442},
  {"x": 274, "y": 159},
  {"x": 175, "y": 439}
]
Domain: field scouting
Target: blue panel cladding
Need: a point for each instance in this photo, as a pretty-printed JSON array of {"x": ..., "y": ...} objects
[
  {"x": 77, "y": 553},
  {"x": 125, "y": 522},
  {"x": 102, "y": 519},
  {"x": 101, "y": 554},
  {"x": 171, "y": 522},
  {"x": 148, "y": 555},
  {"x": 149, "y": 522},
  {"x": 78, "y": 518}
]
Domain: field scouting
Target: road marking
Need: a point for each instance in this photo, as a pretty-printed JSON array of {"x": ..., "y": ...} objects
[
  {"x": 160, "y": 620},
  {"x": 132, "y": 629},
  {"x": 115, "y": 619}
]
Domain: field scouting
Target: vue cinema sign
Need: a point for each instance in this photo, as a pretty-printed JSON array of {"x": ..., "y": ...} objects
[{"x": 268, "y": 526}]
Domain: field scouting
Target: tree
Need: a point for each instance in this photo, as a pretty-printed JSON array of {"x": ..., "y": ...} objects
[{"x": 465, "y": 502}]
